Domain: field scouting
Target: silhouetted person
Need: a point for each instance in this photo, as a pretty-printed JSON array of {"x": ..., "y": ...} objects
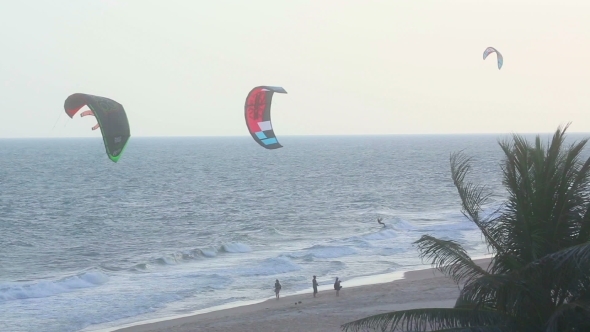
[
  {"x": 315, "y": 286},
  {"x": 277, "y": 288},
  {"x": 337, "y": 286},
  {"x": 379, "y": 221}
]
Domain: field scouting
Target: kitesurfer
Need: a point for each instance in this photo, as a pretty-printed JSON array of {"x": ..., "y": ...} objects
[{"x": 379, "y": 221}]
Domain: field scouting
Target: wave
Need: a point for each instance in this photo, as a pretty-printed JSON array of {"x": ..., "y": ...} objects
[
  {"x": 235, "y": 248},
  {"x": 384, "y": 234},
  {"x": 209, "y": 253},
  {"x": 194, "y": 254},
  {"x": 321, "y": 251},
  {"x": 141, "y": 267},
  {"x": 391, "y": 251},
  {"x": 45, "y": 288},
  {"x": 448, "y": 229},
  {"x": 391, "y": 230},
  {"x": 486, "y": 212},
  {"x": 269, "y": 266},
  {"x": 399, "y": 224},
  {"x": 207, "y": 281}
]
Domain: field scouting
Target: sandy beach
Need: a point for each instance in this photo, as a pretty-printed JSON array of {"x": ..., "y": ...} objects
[{"x": 325, "y": 313}]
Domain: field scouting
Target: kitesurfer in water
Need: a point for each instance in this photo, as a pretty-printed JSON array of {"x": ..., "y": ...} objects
[
  {"x": 379, "y": 221},
  {"x": 277, "y": 288}
]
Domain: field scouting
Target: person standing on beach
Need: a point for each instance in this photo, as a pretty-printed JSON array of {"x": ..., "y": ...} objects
[
  {"x": 277, "y": 288},
  {"x": 315, "y": 286},
  {"x": 337, "y": 286}
]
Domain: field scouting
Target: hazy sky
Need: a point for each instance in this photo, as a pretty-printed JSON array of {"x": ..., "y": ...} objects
[{"x": 184, "y": 68}]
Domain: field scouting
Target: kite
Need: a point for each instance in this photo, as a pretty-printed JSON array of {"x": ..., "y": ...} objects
[
  {"x": 257, "y": 113},
  {"x": 111, "y": 118},
  {"x": 490, "y": 50}
]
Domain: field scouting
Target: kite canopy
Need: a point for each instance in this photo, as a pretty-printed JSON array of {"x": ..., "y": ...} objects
[
  {"x": 111, "y": 118},
  {"x": 490, "y": 50},
  {"x": 257, "y": 113}
]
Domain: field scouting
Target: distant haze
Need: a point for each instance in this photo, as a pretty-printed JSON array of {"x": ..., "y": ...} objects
[{"x": 184, "y": 68}]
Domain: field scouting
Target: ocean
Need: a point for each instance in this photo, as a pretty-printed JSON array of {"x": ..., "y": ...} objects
[{"x": 184, "y": 224}]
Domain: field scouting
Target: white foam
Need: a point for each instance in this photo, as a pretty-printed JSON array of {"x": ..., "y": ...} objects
[
  {"x": 384, "y": 234},
  {"x": 321, "y": 251},
  {"x": 14, "y": 291},
  {"x": 270, "y": 266}
]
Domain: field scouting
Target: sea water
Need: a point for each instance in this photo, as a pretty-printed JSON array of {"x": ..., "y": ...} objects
[{"x": 184, "y": 224}]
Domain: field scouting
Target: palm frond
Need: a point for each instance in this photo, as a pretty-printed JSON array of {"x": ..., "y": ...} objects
[
  {"x": 519, "y": 215},
  {"x": 479, "y": 329},
  {"x": 473, "y": 197},
  {"x": 430, "y": 318},
  {"x": 573, "y": 221},
  {"x": 547, "y": 196},
  {"x": 566, "y": 272},
  {"x": 566, "y": 314},
  {"x": 570, "y": 194},
  {"x": 509, "y": 262},
  {"x": 509, "y": 293},
  {"x": 571, "y": 259},
  {"x": 584, "y": 231},
  {"x": 450, "y": 258},
  {"x": 537, "y": 288}
]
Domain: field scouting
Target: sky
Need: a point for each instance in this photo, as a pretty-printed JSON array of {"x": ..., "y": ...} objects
[{"x": 350, "y": 67}]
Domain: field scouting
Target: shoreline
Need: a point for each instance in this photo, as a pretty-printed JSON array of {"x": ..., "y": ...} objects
[{"x": 356, "y": 296}]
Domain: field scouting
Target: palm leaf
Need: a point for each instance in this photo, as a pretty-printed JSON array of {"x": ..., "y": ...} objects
[
  {"x": 584, "y": 230},
  {"x": 567, "y": 273},
  {"x": 509, "y": 293},
  {"x": 548, "y": 195},
  {"x": 431, "y": 318},
  {"x": 479, "y": 329},
  {"x": 563, "y": 315},
  {"x": 473, "y": 197},
  {"x": 450, "y": 258}
]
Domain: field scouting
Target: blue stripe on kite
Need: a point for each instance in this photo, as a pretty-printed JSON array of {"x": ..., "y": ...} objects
[
  {"x": 260, "y": 135},
  {"x": 270, "y": 141}
]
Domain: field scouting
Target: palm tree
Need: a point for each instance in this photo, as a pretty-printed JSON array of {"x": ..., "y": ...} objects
[{"x": 539, "y": 276}]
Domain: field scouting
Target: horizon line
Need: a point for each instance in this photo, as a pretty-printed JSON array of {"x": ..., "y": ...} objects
[
  {"x": 314, "y": 135},
  {"x": 303, "y": 135}
]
